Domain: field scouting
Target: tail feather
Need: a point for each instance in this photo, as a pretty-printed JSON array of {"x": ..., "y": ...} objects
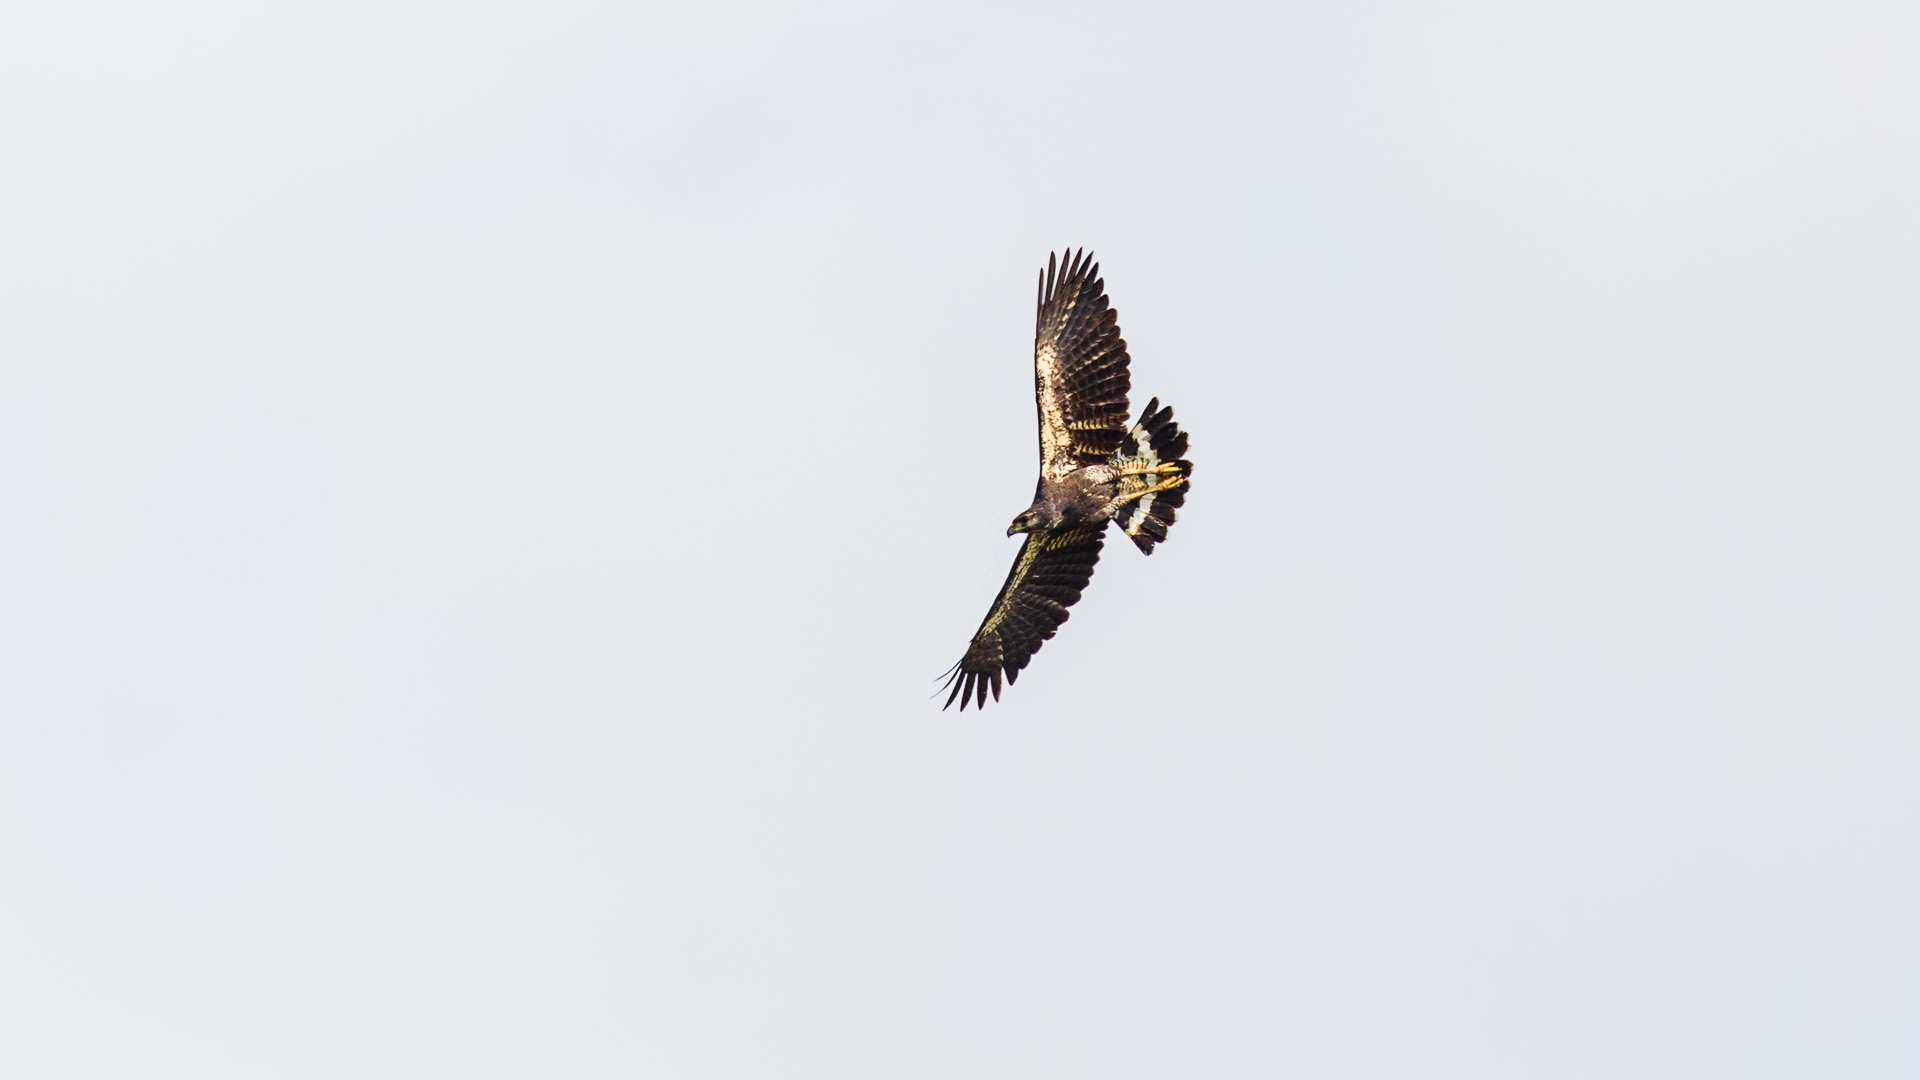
[{"x": 1154, "y": 440}]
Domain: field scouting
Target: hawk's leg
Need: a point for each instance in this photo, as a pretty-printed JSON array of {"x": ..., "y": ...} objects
[
  {"x": 1150, "y": 470},
  {"x": 1164, "y": 485}
]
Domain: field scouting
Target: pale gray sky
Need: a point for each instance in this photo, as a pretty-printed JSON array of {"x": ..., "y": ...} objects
[{"x": 489, "y": 489}]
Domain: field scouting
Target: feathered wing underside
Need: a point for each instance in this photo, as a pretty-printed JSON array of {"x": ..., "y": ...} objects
[
  {"x": 1080, "y": 375},
  {"x": 1053, "y": 568},
  {"x": 1154, "y": 441}
]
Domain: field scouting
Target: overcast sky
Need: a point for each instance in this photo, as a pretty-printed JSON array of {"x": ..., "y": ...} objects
[{"x": 488, "y": 490}]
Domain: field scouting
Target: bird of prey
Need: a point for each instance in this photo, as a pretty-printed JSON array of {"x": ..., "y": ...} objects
[{"x": 1093, "y": 469}]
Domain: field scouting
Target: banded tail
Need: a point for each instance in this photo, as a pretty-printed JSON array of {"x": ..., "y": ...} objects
[{"x": 1154, "y": 442}]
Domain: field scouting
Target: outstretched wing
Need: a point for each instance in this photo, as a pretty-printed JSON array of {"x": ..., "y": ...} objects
[
  {"x": 1079, "y": 369},
  {"x": 1045, "y": 581}
]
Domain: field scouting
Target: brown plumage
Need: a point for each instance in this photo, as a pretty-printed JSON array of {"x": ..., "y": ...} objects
[{"x": 1093, "y": 469}]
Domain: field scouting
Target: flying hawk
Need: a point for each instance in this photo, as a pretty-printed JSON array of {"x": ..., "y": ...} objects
[{"x": 1093, "y": 469}]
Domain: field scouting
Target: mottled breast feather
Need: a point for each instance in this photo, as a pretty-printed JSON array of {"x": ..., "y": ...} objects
[{"x": 1080, "y": 378}]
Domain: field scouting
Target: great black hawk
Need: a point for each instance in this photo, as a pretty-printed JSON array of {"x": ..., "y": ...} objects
[{"x": 1093, "y": 469}]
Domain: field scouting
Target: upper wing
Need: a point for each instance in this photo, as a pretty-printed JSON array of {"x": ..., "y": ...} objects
[
  {"x": 1045, "y": 581},
  {"x": 1079, "y": 369}
]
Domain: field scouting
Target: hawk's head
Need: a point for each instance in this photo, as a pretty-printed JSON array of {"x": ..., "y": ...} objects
[{"x": 1033, "y": 518}]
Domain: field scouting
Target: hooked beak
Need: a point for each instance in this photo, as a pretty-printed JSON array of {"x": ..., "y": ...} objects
[{"x": 1023, "y": 523}]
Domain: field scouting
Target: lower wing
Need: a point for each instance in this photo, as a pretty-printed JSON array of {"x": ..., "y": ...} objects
[{"x": 1047, "y": 578}]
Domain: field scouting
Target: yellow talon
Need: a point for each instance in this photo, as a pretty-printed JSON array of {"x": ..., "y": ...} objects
[{"x": 1164, "y": 485}]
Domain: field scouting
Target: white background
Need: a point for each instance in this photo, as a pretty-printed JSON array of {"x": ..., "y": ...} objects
[{"x": 486, "y": 490}]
